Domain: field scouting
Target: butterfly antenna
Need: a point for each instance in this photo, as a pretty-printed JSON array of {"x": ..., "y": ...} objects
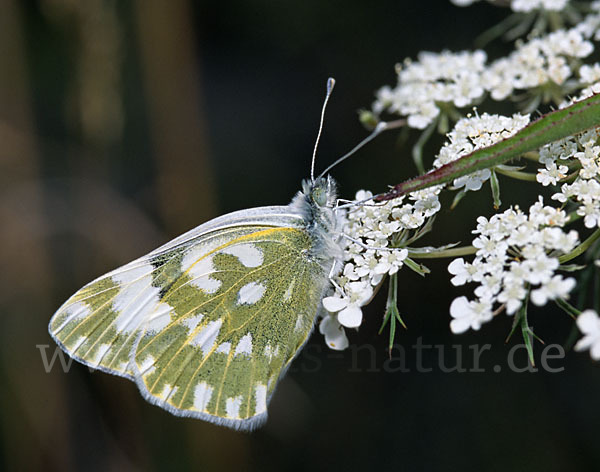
[
  {"x": 330, "y": 85},
  {"x": 382, "y": 126}
]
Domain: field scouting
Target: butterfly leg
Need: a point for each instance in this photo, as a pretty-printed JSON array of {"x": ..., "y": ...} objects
[
  {"x": 332, "y": 272},
  {"x": 366, "y": 246}
]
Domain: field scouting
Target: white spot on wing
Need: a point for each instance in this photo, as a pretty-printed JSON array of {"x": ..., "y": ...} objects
[
  {"x": 199, "y": 270},
  {"x": 161, "y": 317},
  {"x": 168, "y": 391},
  {"x": 271, "y": 353},
  {"x": 137, "y": 298},
  {"x": 260, "y": 395},
  {"x": 299, "y": 323},
  {"x": 268, "y": 352},
  {"x": 232, "y": 406},
  {"x": 192, "y": 322},
  {"x": 224, "y": 348},
  {"x": 250, "y": 293},
  {"x": 101, "y": 352},
  {"x": 207, "y": 336},
  {"x": 207, "y": 284},
  {"x": 244, "y": 346},
  {"x": 79, "y": 342},
  {"x": 288, "y": 293},
  {"x": 202, "y": 394},
  {"x": 247, "y": 253},
  {"x": 147, "y": 366}
]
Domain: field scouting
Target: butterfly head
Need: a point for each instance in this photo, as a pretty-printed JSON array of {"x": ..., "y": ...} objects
[
  {"x": 316, "y": 201},
  {"x": 321, "y": 192}
]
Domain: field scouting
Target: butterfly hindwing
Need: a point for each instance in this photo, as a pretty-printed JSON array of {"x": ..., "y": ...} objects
[
  {"x": 100, "y": 324},
  {"x": 241, "y": 306},
  {"x": 206, "y": 324}
]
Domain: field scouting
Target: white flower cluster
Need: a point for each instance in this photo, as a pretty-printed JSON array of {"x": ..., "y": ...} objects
[
  {"x": 590, "y": 26},
  {"x": 524, "y": 6},
  {"x": 463, "y": 78},
  {"x": 435, "y": 78},
  {"x": 537, "y": 63},
  {"x": 583, "y": 149},
  {"x": 375, "y": 232},
  {"x": 476, "y": 132},
  {"x": 588, "y": 323},
  {"x": 516, "y": 252}
]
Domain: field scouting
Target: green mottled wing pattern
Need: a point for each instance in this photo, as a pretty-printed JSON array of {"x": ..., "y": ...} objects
[
  {"x": 239, "y": 314},
  {"x": 205, "y": 327},
  {"x": 100, "y": 324}
]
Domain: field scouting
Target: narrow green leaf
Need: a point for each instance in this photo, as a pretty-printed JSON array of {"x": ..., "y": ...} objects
[
  {"x": 457, "y": 198},
  {"x": 416, "y": 267},
  {"x": 526, "y": 331},
  {"x": 392, "y": 315},
  {"x": 495, "y": 190},
  {"x": 551, "y": 127},
  {"x": 567, "y": 308}
]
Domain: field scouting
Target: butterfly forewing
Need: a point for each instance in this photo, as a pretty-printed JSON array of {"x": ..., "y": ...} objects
[{"x": 228, "y": 325}]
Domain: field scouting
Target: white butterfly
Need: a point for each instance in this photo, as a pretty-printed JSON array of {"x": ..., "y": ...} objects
[{"x": 208, "y": 323}]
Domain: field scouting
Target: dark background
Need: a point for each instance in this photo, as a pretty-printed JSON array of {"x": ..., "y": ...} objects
[{"x": 123, "y": 124}]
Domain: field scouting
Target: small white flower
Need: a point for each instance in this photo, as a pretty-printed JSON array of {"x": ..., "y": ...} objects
[
  {"x": 349, "y": 272},
  {"x": 551, "y": 174},
  {"x": 530, "y": 5},
  {"x": 540, "y": 268},
  {"x": 469, "y": 314},
  {"x": 463, "y": 271},
  {"x": 476, "y": 132},
  {"x": 335, "y": 337},
  {"x": 391, "y": 261},
  {"x": 474, "y": 181},
  {"x": 446, "y": 77},
  {"x": 588, "y": 323},
  {"x": 347, "y": 307},
  {"x": 516, "y": 251},
  {"x": 366, "y": 263},
  {"x": 556, "y": 287},
  {"x": 512, "y": 295},
  {"x": 537, "y": 62}
]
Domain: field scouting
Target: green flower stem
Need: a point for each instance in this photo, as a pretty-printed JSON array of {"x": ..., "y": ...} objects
[
  {"x": 454, "y": 252},
  {"x": 584, "y": 246},
  {"x": 515, "y": 174},
  {"x": 417, "y": 150},
  {"x": 532, "y": 156}
]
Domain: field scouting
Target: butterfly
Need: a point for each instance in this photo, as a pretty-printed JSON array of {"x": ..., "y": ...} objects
[{"x": 207, "y": 324}]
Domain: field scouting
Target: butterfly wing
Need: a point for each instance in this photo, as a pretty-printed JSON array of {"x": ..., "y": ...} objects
[{"x": 206, "y": 324}]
